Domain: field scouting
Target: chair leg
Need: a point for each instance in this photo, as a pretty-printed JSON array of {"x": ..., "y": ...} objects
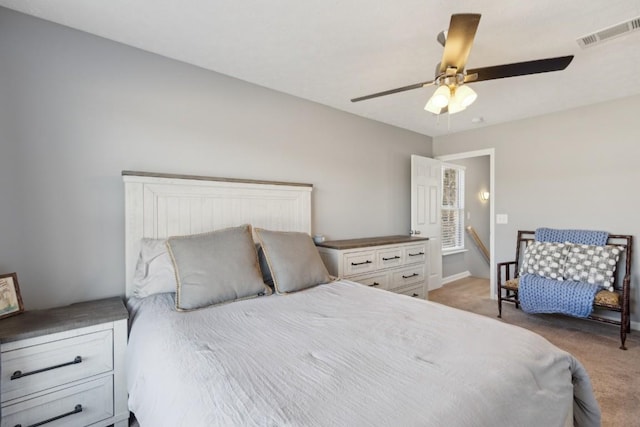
[
  {"x": 625, "y": 326},
  {"x": 499, "y": 302}
]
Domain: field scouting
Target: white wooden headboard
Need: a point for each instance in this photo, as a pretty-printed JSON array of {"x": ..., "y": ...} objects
[{"x": 159, "y": 205}]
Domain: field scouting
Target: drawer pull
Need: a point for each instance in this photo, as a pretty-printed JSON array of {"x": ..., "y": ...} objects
[
  {"x": 412, "y": 275},
  {"x": 76, "y": 410},
  {"x": 389, "y": 259},
  {"x": 19, "y": 374},
  {"x": 361, "y": 263},
  {"x": 414, "y": 295},
  {"x": 418, "y": 254},
  {"x": 375, "y": 284}
]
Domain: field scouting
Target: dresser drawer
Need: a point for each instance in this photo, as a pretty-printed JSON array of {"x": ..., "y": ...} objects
[
  {"x": 39, "y": 367},
  {"x": 391, "y": 257},
  {"x": 415, "y": 254},
  {"x": 413, "y": 291},
  {"x": 407, "y": 276},
  {"x": 380, "y": 281},
  {"x": 82, "y": 405},
  {"x": 359, "y": 262}
]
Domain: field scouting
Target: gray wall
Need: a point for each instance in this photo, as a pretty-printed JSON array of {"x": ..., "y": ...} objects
[
  {"x": 574, "y": 169},
  {"x": 10, "y": 247},
  {"x": 454, "y": 264},
  {"x": 476, "y": 215},
  {"x": 80, "y": 109}
]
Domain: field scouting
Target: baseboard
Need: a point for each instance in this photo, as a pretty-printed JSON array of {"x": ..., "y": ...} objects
[
  {"x": 635, "y": 326},
  {"x": 455, "y": 277}
]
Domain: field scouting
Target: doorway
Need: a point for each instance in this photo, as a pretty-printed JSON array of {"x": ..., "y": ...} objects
[{"x": 469, "y": 158}]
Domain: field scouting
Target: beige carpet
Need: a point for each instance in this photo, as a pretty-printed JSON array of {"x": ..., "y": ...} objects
[{"x": 615, "y": 373}]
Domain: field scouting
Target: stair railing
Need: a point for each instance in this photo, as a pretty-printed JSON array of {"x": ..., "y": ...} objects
[{"x": 476, "y": 239}]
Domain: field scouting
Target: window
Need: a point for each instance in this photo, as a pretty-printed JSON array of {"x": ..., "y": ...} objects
[{"x": 452, "y": 207}]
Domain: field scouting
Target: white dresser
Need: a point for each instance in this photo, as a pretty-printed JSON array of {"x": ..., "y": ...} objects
[
  {"x": 65, "y": 366},
  {"x": 394, "y": 263}
]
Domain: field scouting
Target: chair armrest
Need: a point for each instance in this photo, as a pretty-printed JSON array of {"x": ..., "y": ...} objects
[{"x": 506, "y": 267}]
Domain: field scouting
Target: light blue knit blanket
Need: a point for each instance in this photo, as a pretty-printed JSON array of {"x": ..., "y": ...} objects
[
  {"x": 582, "y": 237},
  {"x": 542, "y": 295}
]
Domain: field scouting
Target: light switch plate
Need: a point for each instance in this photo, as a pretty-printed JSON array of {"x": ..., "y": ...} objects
[{"x": 502, "y": 219}]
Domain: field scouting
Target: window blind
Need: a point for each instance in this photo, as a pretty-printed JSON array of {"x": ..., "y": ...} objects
[{"x": 452, "y": 207}]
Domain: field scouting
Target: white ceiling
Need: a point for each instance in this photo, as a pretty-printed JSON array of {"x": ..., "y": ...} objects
[{"x": 330, "y": 51}]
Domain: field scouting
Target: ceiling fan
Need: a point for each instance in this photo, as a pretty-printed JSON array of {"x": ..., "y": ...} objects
[{"x": 452, "y": 94}]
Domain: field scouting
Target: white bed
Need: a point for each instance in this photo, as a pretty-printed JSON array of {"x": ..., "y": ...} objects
[{"x": 339, "y": 354}]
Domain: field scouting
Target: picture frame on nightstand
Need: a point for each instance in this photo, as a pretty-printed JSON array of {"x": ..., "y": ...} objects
[{"x": 10, "y": 298}]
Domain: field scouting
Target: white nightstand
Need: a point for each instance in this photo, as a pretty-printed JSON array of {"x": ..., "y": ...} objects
[
  {"x": 65, "y": 366},
  {"x": 394, "y": 263}
]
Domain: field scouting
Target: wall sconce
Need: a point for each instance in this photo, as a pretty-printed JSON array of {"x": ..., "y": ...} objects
[{"x": 484, "y": 196}]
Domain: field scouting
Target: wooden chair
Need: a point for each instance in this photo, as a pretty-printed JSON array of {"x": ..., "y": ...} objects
[{"x": 615, "y": 301}]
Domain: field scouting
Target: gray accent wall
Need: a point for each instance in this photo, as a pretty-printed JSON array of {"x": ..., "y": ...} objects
[
  {"x": 572, "y": 169},
  {"x": 76, "y": 110},
  {"x": 10, "y": 247}
]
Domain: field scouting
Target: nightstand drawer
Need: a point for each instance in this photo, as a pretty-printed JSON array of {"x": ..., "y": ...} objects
[
  {"x": 39, "y": 367},
  {"x": 359, "y": 262},
  {"x": 80, "y": 405}
]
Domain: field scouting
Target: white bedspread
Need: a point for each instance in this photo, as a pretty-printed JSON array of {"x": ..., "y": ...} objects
[{"x": 344, "y": 354}]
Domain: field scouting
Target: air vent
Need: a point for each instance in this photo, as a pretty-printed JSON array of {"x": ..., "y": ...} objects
[{"x": 609, "y": 33}]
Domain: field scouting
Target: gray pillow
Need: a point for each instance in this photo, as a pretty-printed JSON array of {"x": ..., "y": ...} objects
[
  {"x": 593, "y": 264},
  {"x": 217, "y": 267},
  {"x": 546, "y": 259},
  {"x": 293, "y": 259}
]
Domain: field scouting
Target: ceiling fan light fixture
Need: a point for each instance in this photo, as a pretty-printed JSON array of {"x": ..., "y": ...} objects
[
  {"x": 455, "y": 104},
  {"x": 432, "y": 108},
  {"x": 465, "y": 95},
  {"x": 440, "y": 97}
]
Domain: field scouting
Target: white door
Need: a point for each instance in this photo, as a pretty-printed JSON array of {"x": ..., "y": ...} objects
[{"x": 425, "y": 211}]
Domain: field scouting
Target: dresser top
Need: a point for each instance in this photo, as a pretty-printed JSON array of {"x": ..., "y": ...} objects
[
  {"x": 369, "y": 241},
  {"x": 44, "y": 322}
]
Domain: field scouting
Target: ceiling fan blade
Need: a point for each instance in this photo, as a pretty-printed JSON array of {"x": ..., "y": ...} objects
[
  {"x": 521, "y": 68},
  {"x": 391, "y": 91},
  {"x": 462, "y": 31}
]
